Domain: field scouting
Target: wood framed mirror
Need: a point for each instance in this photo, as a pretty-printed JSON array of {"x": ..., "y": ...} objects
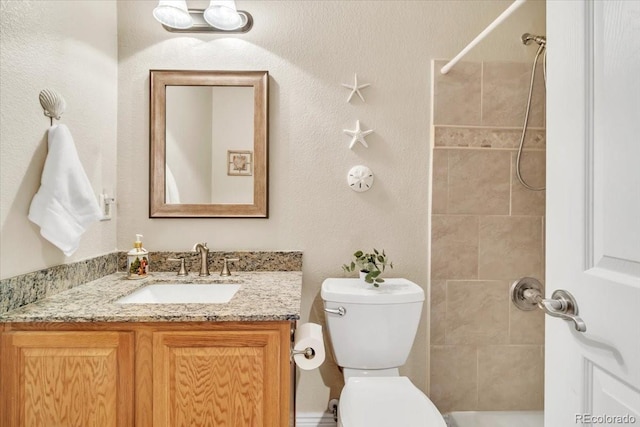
[{"x": 208, "y": 139}]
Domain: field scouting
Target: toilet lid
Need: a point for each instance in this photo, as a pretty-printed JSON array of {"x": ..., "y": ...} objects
[{"x": 384, "y": 402}]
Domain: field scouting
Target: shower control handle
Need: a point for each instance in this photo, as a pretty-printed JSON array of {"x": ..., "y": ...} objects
[
  {"x": 563, "y": 305},
  {"x": 340, "y": 311},
  {"x": 526, "y": 294}
]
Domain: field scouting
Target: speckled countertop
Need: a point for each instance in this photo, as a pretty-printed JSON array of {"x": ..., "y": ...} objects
[{"x": 263, "y": 296}]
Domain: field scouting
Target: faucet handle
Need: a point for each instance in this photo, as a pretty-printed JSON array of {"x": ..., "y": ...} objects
[
  {"x": 183, "y": 270},
  {"x": 225, "y": 267}
]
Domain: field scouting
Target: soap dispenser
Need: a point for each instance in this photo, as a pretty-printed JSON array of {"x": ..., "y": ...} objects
[{"x": 137, "y": 260}]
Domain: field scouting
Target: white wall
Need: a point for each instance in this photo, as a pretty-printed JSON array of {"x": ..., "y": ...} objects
[
  {"x": 309, "y": 49},
  {"x": 70, "y": 46}
]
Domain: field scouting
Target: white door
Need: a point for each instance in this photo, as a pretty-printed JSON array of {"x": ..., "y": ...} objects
[{"x": 593, "y": 211}]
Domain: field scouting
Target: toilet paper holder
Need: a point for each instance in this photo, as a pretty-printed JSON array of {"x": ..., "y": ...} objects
[
  {"x": 306, "y": 350},
  {"x": 308, "y": 353}
]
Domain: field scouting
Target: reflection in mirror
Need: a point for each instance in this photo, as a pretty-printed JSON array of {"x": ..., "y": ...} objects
[
  {"x": 204, "y": 124},
  {"x": 208, "y": 144}
]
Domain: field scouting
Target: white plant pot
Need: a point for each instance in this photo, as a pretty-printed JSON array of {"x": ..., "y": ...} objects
[{"x": 363, "y": 275}]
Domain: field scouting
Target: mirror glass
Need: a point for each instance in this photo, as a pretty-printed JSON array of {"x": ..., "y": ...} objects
[
  {"x": 204, "y": 125},
  {"x": 208, "y": 144}
]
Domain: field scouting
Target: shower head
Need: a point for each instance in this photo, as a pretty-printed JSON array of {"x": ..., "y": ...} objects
[{"x": 528, "y": 38}]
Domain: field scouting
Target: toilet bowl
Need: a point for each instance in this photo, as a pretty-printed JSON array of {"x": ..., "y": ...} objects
[
  {"x": 386, "y": 402},
  {"x": 372, "y": 331}
]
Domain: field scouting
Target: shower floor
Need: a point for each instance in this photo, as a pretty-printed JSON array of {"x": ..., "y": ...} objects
[{"x": 496, "y": 419}]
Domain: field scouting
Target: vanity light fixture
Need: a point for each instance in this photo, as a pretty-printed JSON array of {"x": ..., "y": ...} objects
[{"x": 220, "y": 17}]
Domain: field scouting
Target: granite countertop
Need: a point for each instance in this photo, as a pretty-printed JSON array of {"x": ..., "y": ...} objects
[{"x": 263, "y": 296}]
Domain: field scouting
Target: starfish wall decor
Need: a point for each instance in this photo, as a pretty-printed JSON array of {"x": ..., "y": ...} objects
[
  {"x": 358, "y": 135},
  {"x": 355, "y": 88}
]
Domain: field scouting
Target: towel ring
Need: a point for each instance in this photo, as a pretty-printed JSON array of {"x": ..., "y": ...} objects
[{"x": 53, "y": 104}]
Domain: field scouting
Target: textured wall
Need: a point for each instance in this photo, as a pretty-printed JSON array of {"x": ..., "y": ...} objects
[
  {"x": 309, "y": 49},
  {"x": 487, "y": 231},
  {"x": 70, "y": 46}
]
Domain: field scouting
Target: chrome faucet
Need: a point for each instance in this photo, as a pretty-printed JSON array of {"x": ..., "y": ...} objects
[{"x": 204, "y": 254}]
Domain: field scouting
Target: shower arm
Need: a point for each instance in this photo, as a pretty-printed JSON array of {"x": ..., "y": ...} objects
[{"x": 528, "y": 38}]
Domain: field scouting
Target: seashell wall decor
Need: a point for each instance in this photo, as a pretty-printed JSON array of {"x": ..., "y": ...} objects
[{"x": 53, "y": 103}]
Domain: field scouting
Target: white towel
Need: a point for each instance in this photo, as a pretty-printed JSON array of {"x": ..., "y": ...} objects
[{"x": 65, "y": 204}]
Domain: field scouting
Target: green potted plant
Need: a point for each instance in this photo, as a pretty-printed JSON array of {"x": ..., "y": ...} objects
[{"x": 370, "y": 266}]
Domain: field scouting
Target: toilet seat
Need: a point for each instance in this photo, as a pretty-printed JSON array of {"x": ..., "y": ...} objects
[{"x": 384, "y": 402}]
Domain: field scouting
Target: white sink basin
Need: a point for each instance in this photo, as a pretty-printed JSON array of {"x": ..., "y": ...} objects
[{"x": 179, "y": 293}]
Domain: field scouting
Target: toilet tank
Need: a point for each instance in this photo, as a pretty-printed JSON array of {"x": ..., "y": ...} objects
[{"x": 379, "y": 324}]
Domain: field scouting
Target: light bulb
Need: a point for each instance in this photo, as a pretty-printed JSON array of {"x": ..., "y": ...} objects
[
  {"x": 173, "y": 13},
  {"x": 223, "y": 14}
]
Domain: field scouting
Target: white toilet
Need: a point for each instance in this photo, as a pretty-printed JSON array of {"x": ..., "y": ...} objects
[{"x": 372, "y": 331}]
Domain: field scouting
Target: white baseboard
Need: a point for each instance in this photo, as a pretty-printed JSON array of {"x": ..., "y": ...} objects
[{"x": 315, "y": 419}]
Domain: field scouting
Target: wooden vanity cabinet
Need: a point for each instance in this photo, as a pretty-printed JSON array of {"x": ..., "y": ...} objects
[
  {"x": 226, "y": 376},
  {"x": 146, "y": 374},
  {"x": 67, "y": 378}
]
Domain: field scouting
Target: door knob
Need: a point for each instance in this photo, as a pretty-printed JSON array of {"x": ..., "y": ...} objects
[{"x": 526, "y": 294}]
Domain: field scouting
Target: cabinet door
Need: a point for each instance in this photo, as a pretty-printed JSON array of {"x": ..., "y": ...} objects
[
  {"x": 218, "y": 378},
  {"x": 80, "y": 379}
]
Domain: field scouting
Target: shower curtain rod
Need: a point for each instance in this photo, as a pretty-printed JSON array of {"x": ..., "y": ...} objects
[{"x": 508, "y": 11}]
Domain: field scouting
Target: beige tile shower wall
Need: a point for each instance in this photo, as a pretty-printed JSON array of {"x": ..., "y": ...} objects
[{"x": 487, "y": 231}]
